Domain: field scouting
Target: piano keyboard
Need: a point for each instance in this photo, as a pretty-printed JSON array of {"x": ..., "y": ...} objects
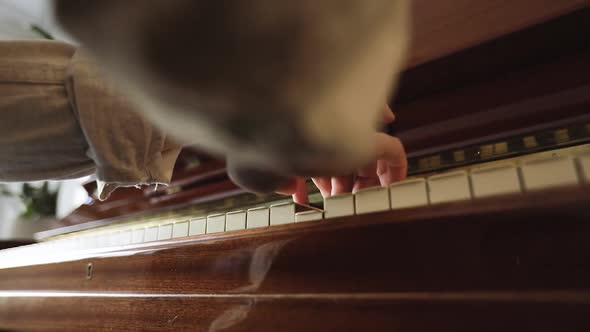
[{"x": 563, "y": 167}]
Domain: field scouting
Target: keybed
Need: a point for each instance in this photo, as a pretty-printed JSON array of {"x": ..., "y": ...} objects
[{"x": 564, "y": 167}]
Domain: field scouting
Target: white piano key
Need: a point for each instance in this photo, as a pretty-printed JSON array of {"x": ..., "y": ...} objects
[
  {"x": 48, "y": 246},
  {"x": 70, "y": 244},
  {"x": 449, "y": 187},
  {"x": 180, "y": 229},
  {"x": 61, "y": 245},
  {"x": 103, "y": 240},
  {"x": 86, "y": 242},
  {"x": 165, "y": 232},
  {"x": 138, "y": 235},
  {"x": 89, "y": 242},
  {"x": 373, "y": 199},
  {"x": 408, "y": 193},
  {"x": 282, "y": 213},
  {"x": 311, "y": 215},
  {"x": 56, "y": 245},
  {"x": 115, "y": 239},
  {"x": 151, "y": 234},
  {"x": 112, "y": 239},
  {"x": 551, "y": 171},
  {"x": 51, "y": 248},
  {"x": 93, "y": 241},
  {"x": 120, "y": 238},
  {"x": 235, "y": 220},
  {"x": 82, "y": 242},
  {"x": 197, "y": 226},
  {"x": 216, "y": 223},
  {"x": 73, "y": 243},
  {"x": 126, "y": 237},
  {"x": 584, "y": 162},
  {"x": 258, "y": 217},
  {"x": 495, "y": 180},
  {"x": 339, "y": 206}
]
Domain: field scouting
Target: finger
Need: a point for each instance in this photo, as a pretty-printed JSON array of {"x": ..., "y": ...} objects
[
  {"x": 297, "y": 188},
  {"x": 300, "y": 195},
  {"x": 324, "y": 184},
  {"x": 388, "y": 116},
  {"x": 366, "y": 177},
  {"x": 393, "y": 164},
  {"x": 342, "y": 184}
]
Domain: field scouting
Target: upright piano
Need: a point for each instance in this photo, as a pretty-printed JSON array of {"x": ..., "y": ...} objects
[{"x": 490, "y": 232}]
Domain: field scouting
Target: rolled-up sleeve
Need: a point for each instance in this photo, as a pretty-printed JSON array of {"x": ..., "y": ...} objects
[
  {"x": 126, "y": 148},
  {"x": 83, "y": 123},
  {"x": 40, "y": 137}
]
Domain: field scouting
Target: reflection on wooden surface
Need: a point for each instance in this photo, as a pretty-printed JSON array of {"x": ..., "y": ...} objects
[{"x": 461, "y": 266}]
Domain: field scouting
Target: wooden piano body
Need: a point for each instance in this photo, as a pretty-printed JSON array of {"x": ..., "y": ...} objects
[{"x": 489, "y": 83}]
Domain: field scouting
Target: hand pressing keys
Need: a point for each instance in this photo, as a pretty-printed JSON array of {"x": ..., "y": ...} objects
[{"x": 390, "y": 166}]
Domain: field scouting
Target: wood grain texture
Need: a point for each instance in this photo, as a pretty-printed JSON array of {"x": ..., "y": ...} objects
[
  {"x": 444, "y": 27},
  {"x": 287, "y": 314},
  {"x": 516, "y": 261}
]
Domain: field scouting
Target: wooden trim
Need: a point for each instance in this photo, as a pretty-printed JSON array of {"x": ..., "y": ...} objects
[
  {"x": 251, "y": 313},
  {"x": 485, "y": 244},
  {"x": 444, "y": 27},
  {"x": 510, "y": 263}
]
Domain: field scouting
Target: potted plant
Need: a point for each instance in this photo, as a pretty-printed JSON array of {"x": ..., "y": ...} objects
[{"x": 26, "y": 209}]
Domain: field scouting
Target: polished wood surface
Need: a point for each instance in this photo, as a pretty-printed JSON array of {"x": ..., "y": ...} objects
[
  {"x": 444, "y": 27},
  {"x": 509, "y": 312},
  {"x": 532, "y": 79},
  {"x": 542, "y": 97},
  {"x": 516, "y": 261}
]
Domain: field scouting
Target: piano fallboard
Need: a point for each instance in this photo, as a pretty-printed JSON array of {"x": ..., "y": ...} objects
[{"x": 518, "y": 263}]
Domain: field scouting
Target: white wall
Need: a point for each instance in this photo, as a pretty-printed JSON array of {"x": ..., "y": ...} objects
[
  {"x": 10, "y": 209},
  {"x": 70, "y": 196},
  {"x": 16, "y": 16}
]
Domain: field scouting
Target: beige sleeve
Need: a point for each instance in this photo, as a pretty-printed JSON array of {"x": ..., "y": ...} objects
[
  {"x": 60, "y": 117},
  {"x": 40, "y": 138},
  {"x": 126, "y": 148}
]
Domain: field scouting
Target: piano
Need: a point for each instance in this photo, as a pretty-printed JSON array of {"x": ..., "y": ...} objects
[{"x": 489, "y": 232}]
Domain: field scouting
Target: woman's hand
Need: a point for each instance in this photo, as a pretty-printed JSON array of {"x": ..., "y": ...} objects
[{"x": 390, "y": 166}]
